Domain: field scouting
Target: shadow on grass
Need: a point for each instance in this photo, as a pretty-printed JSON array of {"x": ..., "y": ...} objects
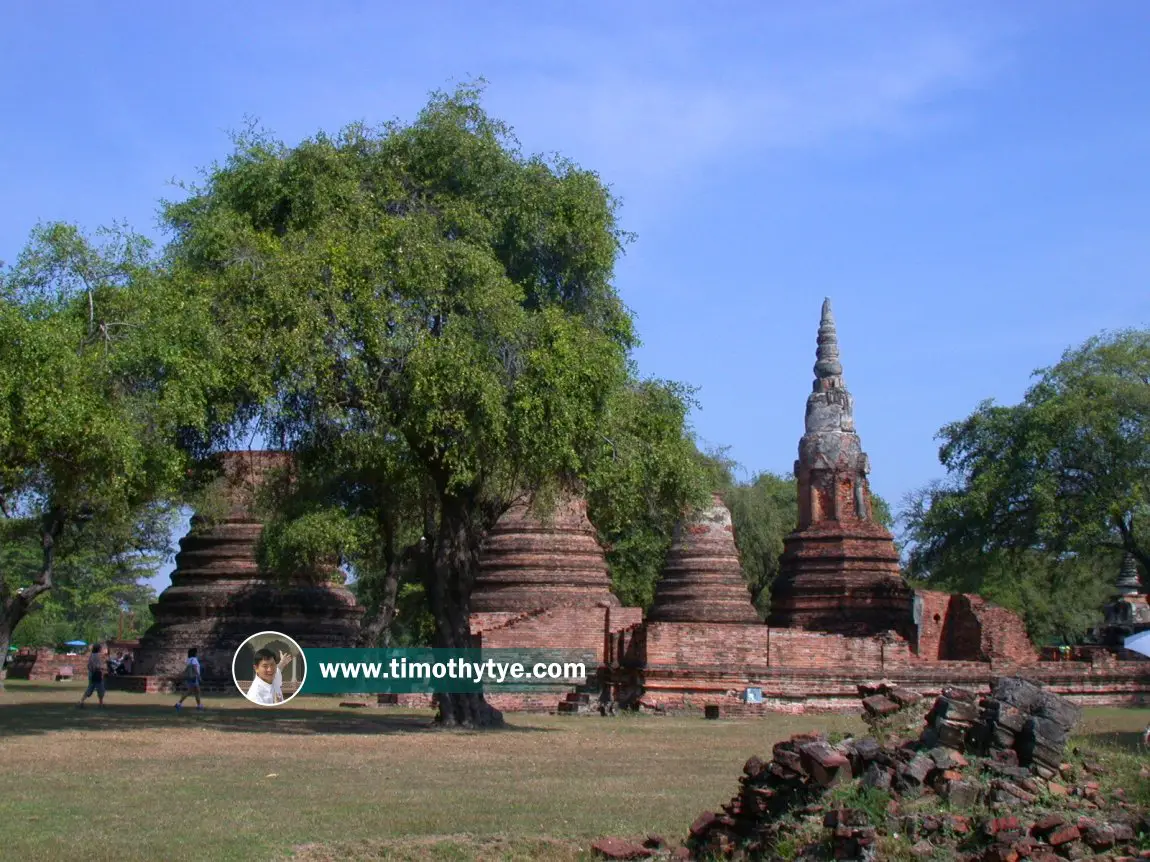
[
  {"x": 1126, "y": 740},
  {"x": 33, "y": 718},
  {"x": 18, "y": 686}
]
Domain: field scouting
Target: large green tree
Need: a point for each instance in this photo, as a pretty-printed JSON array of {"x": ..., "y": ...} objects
[
  {"x": 96, "y": 388},
  {"x": 426, "y": 318},
  {"x": 1044, "y": 497}
]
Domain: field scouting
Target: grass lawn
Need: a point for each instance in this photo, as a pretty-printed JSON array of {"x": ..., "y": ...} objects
[{"x": 311, "y": 781}]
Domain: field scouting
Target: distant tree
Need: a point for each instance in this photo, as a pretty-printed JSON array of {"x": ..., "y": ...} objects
[
  {"x": 763, "y": 511},
  {"x": 1043, "y": 497},
  {"x": 92, "y": 404},
  {"x": 417, "y": 303}
]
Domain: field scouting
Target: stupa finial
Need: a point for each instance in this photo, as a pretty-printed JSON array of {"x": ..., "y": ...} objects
[{"x": 827, "y": 364}]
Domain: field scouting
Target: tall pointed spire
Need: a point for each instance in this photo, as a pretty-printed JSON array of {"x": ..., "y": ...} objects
[
  {"x": 830, "y": 407},
  {"x": 840, "y": 569},
  {"x": 827, "y": 365}
]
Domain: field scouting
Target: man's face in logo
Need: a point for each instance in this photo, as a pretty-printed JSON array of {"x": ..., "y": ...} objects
[{"x": 266, "y": 670}]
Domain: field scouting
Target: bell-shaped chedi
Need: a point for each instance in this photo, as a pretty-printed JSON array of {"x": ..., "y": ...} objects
[
  {"x": 1128, "y": 612},
  {"x": 1128, "y": 583},
  {"x": 702, "y": 581},
  {"x": 530, "y": 563},
  {"x": 219, "y": 597},
  {"x": 839, "y": 571}
]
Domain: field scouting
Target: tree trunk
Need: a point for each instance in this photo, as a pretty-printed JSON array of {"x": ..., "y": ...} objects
[
  {"x": 13, "y": 608},
  {"x": 5, "y": 642},
  {"x": 376, "y": 632},
  {"x": 448, "y": 581}
]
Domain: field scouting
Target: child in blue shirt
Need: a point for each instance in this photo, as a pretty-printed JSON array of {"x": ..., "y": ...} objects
[{"x": 191, "y": 680}]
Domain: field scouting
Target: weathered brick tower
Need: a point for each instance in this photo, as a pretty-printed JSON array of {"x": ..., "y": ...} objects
[
  {"x": 839, "y": 571},
  {"x": 528, "y": 563},
  {"x": 703, "y": 581},
  {"x": 543, "y": 583},
  {"x": 219, "y": 597}
]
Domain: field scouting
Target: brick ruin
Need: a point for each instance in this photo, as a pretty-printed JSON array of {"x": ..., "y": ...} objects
[
  {"x": 219, "y": 597},
  {"x": 1128, "y": 613},
  {"x": 543, "y": 583},
  {"x": 44, "y": 664},
  {"x": 530, "y": 562},
  {"x": 702, "y": 581},
  {"x": 839, "y": 571},
  {"x": 842, "y": 615}
]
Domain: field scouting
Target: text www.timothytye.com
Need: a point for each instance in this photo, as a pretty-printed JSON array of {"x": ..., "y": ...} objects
[{"x": 455, "y": 669}]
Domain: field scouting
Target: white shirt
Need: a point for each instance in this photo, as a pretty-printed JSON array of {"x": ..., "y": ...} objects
[{"x": 265, "y": 693}]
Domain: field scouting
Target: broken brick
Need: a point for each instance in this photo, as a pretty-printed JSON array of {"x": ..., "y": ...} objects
[
  {"x": 999, "y": 824},
  {"x": 1064, "y": 835},
  {"x": 880, "y": 705}
]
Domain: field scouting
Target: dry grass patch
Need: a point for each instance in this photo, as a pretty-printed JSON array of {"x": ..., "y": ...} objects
[
  {"x": 453, "y": 848},
  {"x": 137, "y": 781}
]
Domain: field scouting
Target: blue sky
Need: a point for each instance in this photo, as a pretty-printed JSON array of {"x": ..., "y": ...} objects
[{"x": 967, "y": 182}]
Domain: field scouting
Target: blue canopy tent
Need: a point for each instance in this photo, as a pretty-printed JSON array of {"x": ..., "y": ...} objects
[
  {"x": 75, "y": 643},
  {"x": 1139, "y": 643}
]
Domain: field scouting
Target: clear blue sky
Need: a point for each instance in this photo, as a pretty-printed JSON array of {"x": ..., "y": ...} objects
[{"x": 968, "y": 182}]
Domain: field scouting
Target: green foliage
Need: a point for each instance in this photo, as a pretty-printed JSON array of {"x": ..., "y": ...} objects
[
  {"x": 645, "y": 476},
  {"x": 1042, "y": 497},
  {"x": 870, "y": 800},
  {"x": 425, "y": 316},
  {"x": 95, "y": 395},
  {"x": 313, "y": 541},
  {"x": 763, "y": 511},
  {"x": 96, "y": 590},
  {"x": 413, "y": 626}
]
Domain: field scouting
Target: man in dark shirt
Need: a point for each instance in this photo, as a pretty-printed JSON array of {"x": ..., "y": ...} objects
[{"x": 96, "y": 670}]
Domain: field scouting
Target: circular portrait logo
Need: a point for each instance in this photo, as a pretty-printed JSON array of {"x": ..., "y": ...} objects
[{"x": 269, "y": 668}]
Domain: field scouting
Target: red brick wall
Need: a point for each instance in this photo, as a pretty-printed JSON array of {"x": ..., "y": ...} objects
[
  {"x": 623, "y": 618},
  {"x": 962, "y": 633},
  {"x": 1003, "y": 634},
  {"x": 963, "y": 627},
  {"x": 44, "y": 664},
  {"x": 484, "y": 622},
  {"x": 743, "y": 648},
  {"x": 726, "y": 645},
  {"x": 933, "y": 609},
  {"x": 793, "y": 648},
  {"x": 555, "y": 628},
  {"x": 624, "y": 638},
  {"x": 800, "y": 690}
]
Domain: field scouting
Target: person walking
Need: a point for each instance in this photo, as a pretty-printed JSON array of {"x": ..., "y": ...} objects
[
  {"x": 192, "y": 674},
  {"x": 96, "y": 670}
]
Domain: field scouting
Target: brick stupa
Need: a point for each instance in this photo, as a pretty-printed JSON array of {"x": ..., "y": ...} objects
[
  {"x": 218, "y": 596},
  {"x": 839, "y": 571},
  {"x": 1129, "y": 612},
  {"x": 702, "y": 580},
  {"x": 530, "y": 563}
]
